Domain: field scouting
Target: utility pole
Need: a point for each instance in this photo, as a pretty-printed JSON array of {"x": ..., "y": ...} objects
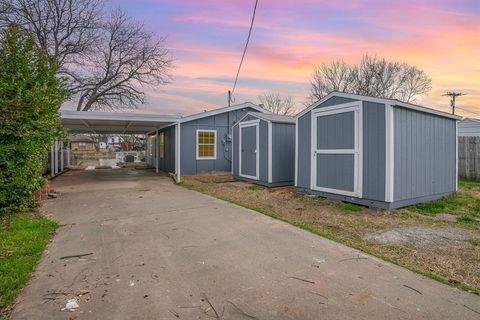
[
  {"x": 453, "y": 96},
  {"x": 229, "y": 97}
]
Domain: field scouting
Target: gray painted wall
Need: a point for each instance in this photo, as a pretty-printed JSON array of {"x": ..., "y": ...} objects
[
  {"x": 374, "y": 136},
  {"x": 222, "y": 123},
  {"x": 304, "y": 141},
  {"x": 424, "y": 154},
  {"x": 167, "y": 163},
  {"x": 283, "y": 152},
  {"x": 263, "y": 151}
]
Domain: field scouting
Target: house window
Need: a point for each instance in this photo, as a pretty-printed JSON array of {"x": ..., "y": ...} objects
[
  {"x": 206, "y": 144},
  {"x": 82, "y": 145},
  {"x": 161, "y": 151}
]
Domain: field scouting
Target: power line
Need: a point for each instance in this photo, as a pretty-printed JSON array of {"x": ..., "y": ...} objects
[
  {"x": 469, "y": 111},
  {"x": 244, "y": 50}
]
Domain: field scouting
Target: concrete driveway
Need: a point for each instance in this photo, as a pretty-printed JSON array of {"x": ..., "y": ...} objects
[{"x": 160, "y": 251}]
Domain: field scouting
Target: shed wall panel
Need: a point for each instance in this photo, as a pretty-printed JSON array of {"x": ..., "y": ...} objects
[
  {"x": 424, "y": 154},
  {"x": 283, "y": 152},
  {"x": 374, "y": 136},
  {"x": 304, "y": 150},
  {"x": 263, "y": 152}
]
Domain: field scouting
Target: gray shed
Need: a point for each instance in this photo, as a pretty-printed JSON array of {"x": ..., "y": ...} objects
[
  {"x": 375, "y": 152},
  {"x": 264, "y": 149}
]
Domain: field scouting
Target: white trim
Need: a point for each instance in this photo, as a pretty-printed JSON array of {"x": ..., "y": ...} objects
[
  {"x": 52, "y": 164},
  {"x": 177, "y": 149},
  {"x": 389, "y": 153},
  {"x": 157, "y": 155},
  {"x": 296, "y": 153},
  {"x": 222, "y": 110},
  {"x": 256, "y": 124},
  {"x": 357, "y": 151},
  {"x": 270, "y": 139},
  {"x": 56, "y": 156},
  {"x": 335, "y": 109},
  {"x": 61, "y": 157},
  {"x": 214, "y": 146},
  {"x": 456, "y": 155},
  {"x": 377, "y": 100}
]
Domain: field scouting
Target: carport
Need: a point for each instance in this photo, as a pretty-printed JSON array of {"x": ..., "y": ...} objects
[{"x": 106, "y": 123}]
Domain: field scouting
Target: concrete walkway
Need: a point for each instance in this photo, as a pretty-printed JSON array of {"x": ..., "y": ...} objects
[{"x": 160, "y": 251}]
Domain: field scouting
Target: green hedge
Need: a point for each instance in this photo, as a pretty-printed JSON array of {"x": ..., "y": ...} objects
[{"x": 30, "y": 95}]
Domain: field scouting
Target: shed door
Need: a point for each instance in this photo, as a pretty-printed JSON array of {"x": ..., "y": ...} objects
[
  {"x": 249, "y": 141},
  {"x": 336, "y": 150}
]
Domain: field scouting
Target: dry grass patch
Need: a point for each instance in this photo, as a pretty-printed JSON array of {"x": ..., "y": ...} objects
[{"x": 354, "y": 225}]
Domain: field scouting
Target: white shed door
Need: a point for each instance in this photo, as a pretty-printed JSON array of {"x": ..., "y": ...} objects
[{"x": 337, "y": 150}]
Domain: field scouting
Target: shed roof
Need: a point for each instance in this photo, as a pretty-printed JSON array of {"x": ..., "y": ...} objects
[
  {"x": 393, "y": 102},
  {"x": 274, "y": 117}
]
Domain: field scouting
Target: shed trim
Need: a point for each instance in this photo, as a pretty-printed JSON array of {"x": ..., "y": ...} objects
[
  {"x": 392, "y": 102},
  {"x": 296, "y": 153},
  {"x": 270, "y": 139},
  {"x": 456, "y": 156},
  {"x": 251, "y": 123},
  {"x": 389, "y": 153}
]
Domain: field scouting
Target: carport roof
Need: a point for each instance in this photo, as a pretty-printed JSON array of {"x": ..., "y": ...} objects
[{"x": 118, "y": 122}]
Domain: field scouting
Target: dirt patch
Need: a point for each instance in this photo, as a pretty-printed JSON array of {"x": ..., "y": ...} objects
[
  {"x": 423, "y": 237},
  {"x": 427, "y": 242},
  {"x": 446, "y": 217}
]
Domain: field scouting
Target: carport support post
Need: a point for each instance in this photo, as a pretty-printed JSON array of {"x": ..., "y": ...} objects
[
  {"x": 157, "y": 143},
  {"x": 52, "y": 165},
  {"x": 61, "y": 156},
  {"x": 177, "y": 150},
  {"x": 55, "y": 150}
]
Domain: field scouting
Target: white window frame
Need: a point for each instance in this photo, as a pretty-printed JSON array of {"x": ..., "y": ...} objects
[
  {"x": 242, "y": 125},
  {"x": 214, "y": 146},
  {"x": 357, "y": 151}
]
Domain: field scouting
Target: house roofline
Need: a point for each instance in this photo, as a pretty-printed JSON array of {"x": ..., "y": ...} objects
[{"x": 222, "y": 110}]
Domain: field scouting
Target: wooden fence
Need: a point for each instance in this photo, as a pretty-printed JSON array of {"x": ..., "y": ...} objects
[{"x": 469, "y": 157}]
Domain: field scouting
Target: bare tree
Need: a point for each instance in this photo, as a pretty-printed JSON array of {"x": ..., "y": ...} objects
[
  {"x": 372, "y": 77},
  {"x": 277, "y": 104},
  {"x": 105, "y": 60},
  {"x": 125, "y": 59},
  {"x": 64, "y": 29}
]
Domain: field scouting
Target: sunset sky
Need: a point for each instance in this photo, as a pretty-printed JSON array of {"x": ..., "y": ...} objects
[{"x": 290, "y": 38}]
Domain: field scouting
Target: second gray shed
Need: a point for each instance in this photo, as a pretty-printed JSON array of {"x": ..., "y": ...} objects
[
  {"x": 264, "y": 149},
  {"x": 375, "y": 152}
]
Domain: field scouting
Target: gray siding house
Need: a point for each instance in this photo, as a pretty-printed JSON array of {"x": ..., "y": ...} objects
[
  {"x": 264, "y": 149},
  {"x": 197, "y": 143},
  {"x": 469, "y": 127},
  {"x": 375, "y": 152}
]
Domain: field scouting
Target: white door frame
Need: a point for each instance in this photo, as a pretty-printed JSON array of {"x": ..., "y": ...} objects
[
  {"x": 357, "y": 150},
  {"x": 242, "y": 125}
]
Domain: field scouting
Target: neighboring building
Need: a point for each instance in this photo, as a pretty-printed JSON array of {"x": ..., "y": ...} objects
[
  {"x": 203, "y": 140},
  {"x": 264, "y": 149},
  {"x": 82, "y": 143},
  {"x": 375, "y": 152},
  {"x": 469, "y": 127}
]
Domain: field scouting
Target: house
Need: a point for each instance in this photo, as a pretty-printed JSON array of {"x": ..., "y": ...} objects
[
  {"x": 469, "y": 127},
  {"x": 264, "y": 149},
  {"x": 197, "y": 143},
  {"x": 375, "y": 152},
  {"x": 82, "y": 143}
]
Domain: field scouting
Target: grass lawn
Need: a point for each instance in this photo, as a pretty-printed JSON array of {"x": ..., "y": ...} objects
[
  {"x": 23, "y": 238},
  {"x": 452, "y": 260}
]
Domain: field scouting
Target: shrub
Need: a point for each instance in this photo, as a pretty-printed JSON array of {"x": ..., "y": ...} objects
[{"x": 30, "y": 95}]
